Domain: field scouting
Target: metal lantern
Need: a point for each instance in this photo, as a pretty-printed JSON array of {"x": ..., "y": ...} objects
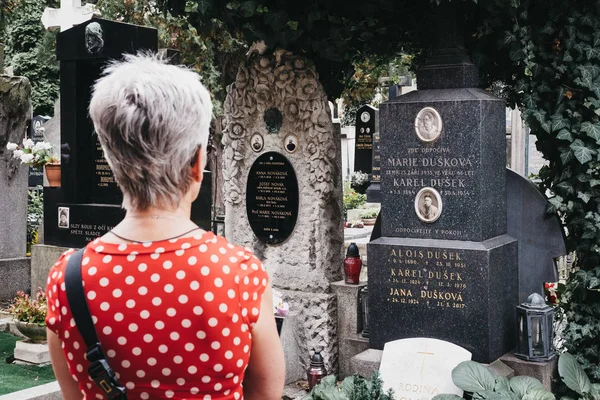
[
  {"x": 364, "y": 308},
  {"x": 535, "y": 329}
]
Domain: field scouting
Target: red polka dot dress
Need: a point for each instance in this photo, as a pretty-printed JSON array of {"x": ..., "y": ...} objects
[{"x": 173, "y": 317}]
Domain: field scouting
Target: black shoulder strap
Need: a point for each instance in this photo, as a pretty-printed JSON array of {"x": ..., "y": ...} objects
[
  {"x": 77, "y": 300},
  {"x": 99, "y": 370}
]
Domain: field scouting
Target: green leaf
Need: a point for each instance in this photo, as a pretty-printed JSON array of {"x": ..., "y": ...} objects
[
  {"x": 473, "y": 377},
  {"x": 566, "y": 156},
  {"x": 539, "y": 394},
  {"x": 521, "y": 385},
  {"x": 447, "y": 397},
  {"x": 584, "y": 196},
  {"x": 347, "y": 386},
  {"x": 581, "y": 152},
  {"x": 501, "y": 384},
  {"x": 277, "y": 20},
  {"x": 565, "y": 134},
  {"x": 592, "y": 130},
  {"x": 204, "y": 5},
  {"x": 573, "y": 374},
  {"x": 566, "y": 187},
  {"x": 558, "y": 123}
]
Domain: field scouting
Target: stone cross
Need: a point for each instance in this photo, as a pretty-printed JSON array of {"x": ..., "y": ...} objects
[{"x": 70, "y": 13}]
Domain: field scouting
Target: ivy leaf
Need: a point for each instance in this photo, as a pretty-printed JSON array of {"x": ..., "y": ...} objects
[
  {"x": 565, "y": 134},
  {"x": 277, "y": 20},
  {"x": 509, "y": 38},
  {"x": 554, "y": 204},
  {"x": 592, "y": 130},
  {"x": 204, "y": 5},
  {"x": 584, "y": 196},
  {"x": 581, "y": 152},
  {"x": 594, "y": 182},
  {"x": 566, "y": 187},
  {"x": 566, "y": 156},
  {"x": 558, "y": 123}
]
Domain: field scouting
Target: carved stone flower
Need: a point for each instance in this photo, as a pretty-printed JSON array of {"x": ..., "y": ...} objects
[
  {"x": 264, "y": 65},
  {"x": 263, "y": 93},
  {"x": 291, "y": 110},
  {"x": 242, "y": 78},
  {"x": 300, "y": 65},
  {"x": 283, "y": 76},
  {"x": 307, "y": 89},
  {"x": 236, "y": 130}
]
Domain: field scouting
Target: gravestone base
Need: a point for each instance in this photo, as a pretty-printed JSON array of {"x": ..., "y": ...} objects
[
  {"x": 291, "y": 350},
  {"x": 43, "y": 258},
  {"x": 542, "y": 371},
  {"x": 366, "y": 363},
  {"x": 15, "y": 276},
  {"x": 31, "y": 353},
  {"x": 374, "y": 193},
  {"x": 498, "y": 368},
  {"x": 455, "y": 290},
  {"x": 349, "y": 325}
]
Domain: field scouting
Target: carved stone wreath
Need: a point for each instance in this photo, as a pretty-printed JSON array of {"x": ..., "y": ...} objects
[{"x": 289, "y": 83}]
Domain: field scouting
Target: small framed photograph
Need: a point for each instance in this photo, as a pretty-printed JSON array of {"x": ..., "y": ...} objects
[
  {"x": 257, "y": 142},
  {"x": 290, "y": 143},
  {"x": 428, "y": 205},
  {"x": 428, "y": 125},
  {"x": 63, "y": 217}
]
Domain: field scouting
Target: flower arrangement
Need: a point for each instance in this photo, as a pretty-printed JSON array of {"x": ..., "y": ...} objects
[
  {"x": 33, "y": 154},
  {"x": 31, "y": 309},
  {"x": 280, "y": 308}
]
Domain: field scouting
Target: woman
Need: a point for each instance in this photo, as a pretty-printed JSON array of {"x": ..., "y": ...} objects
[{"x": 179, "y": 312}]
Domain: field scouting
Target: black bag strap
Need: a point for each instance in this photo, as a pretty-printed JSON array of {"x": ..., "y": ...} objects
[{"x": 99, "y": 370}]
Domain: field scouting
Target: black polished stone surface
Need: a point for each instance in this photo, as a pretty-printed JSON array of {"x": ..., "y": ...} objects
[
  {"x": 462, "y": 292},
  {"x": 272, "y": 198},
  {"x": 367, "y": 123},
  {"x": 374, "y": 189},
  {"x": 465, "y": 165},
  {"x": 36, "y": 175}
]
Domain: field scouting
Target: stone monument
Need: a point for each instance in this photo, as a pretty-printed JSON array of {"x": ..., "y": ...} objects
[
  {"x": 283, "y": 188},
  {"x": 367, "y": 123},
  {"x": 444, "y": 267},
  {"x": 15, "y": 111}
]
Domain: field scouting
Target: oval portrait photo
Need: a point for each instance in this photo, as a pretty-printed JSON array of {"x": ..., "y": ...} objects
[
  {"x": 428, "y": 205},
  {"x": 428, "y": 124}
]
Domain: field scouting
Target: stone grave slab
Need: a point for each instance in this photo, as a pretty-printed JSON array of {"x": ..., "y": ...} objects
[
  {"x": 32, "y": 353},
  {"x": 421, "y": 368}
]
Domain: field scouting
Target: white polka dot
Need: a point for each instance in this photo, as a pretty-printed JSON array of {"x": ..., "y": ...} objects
[
  {"x": 144, "y": 314},
  {"x": 104, "y": 282},
  {"x": 171, "y": 312},
  {"x": 122, "y": 340},
  {"x": 159, "y": 250},
  {"x": 218, "y": 387},
  {"x": 163, "y": 348},
  {"x": 205, "y": 379},
  {"x": 214, "y": 258},
  {"x": 186, "y": 323},
  {"x": 204, "y": 357},
  {"x": 192, "y": 369},
  {"x": 186, "y": 246},
  {"x": 136, "y": 351},
  {"x": 213, "y": 322},
  {"x": 118, "y": 317},
  {"x": 130, "y": 385},
  {"x": 91, "y": 295},
  {"x": 203, "y": 248},
  {"x": 99, "y": 249},
  {"x": 105, "y": 306},
  {"x": 205, "y": 271},
  {"x": 235, "y": 318},
  {"x": 239, "y": 363},
  {"x": 122, "y": 247},
  {"x": 142, "y": 267},
  {"x": 218, "y": 282},
  {"x": 117, "y": 293},
  {"x": 131, "y": 257},
  {"x": 167, "y": 264},
  {"x": 152, "y": 361},
  {"x": 94, "y": 319},
  {"x": 226, "y": 269},
  {"x": 194, "y": 390},
  {"x": 174, "y": 336},
  {"x": 215, "y": 345},
  {"x": 256, "y": 281},
  {"x": 218, "y": 368},
  {"x": 159, "y": 325},
  {"x": 84, "y": 262},
  {"x": 148, "y": 338},
  {"x": 236, "y": 379},
  {"x": 231, "y": 293},
  {"x": 143, "y": 290},
  {"x": 179, "y": 253},
  {"x": 180, "y": 381},
  {"x": 168, "y": 393},
  {"x": 246, "y": 348},
  {"x": 229, "y": 354},
  {"x": 194, "y": 285},
  {"x": 155, "y": 278},
  {"x": 156, "y": 301},
  {"x": 208, "y": 296},
  {"x": 223, "y": 307},
  {"x": 111, "y": 353},
  {"x": 107, "y": 330},
  {"x": 222, "y": 250},
  {"x": 225, "y": 332},
  {"x": 177, "y": 359},
  {"x": 169, "y": 288},
  {"x": 180, "y": 274},
  {"x": 76, "y": 345},
  {"x": 67, "y": 334},
  {"x": 144, "y": 396},
  {"x": 147, "y": 244},
  {"x": 237, "y": 341},
  {"x": 106, "y": 259},
  {"x": 183, "y": 299},
  {"x": 245, "y": 296},
  {"x": 189, "y": 346},
  {"x": 201, "y": 334},
  {"x": 133, "y": 327},
  {"x": 130, "y": 303},
  {"x": 192, "y": 260},
  {"x": 155, "y": 384},
  {"x": 198, "y": 310},
  {"x": 125, "y": 364},
  {"x": 246, "y": 280},
  {"x": 129, "y": 280}
]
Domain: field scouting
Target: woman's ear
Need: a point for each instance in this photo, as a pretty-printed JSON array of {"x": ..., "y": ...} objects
[{"x": 196, "y": 170}]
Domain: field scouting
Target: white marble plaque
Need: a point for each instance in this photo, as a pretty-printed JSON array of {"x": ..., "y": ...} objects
[{"x": 420, "y": 368}]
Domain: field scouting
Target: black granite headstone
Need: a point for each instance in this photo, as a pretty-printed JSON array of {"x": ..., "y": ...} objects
[
  {"x": 367, "y": 123},
  {"x": 444, "y": 267},
  {"x": 88, "y": 203},
  {"x": 272, "y": 198},
  {"x": 374, "y": 189},
  {"x": 36, "y": 133}
]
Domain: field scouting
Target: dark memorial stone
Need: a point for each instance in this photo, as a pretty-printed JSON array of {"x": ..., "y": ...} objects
[
  {"x": 88, "y": 203},
  {"x": 367, "y": 123},
  {"x": 444, "y": 266},
  {"x": 374, "y": 189},
  {"x": 272, "y": 198},
  {"x": 36, "y": 133}
]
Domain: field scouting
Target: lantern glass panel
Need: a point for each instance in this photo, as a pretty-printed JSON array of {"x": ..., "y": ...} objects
[
  {"x": 523, "y": 342},
  {"x": 537, "y": 335}
]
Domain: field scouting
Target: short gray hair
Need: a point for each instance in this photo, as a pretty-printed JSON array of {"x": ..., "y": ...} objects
[{"x": 151, "y": 119}]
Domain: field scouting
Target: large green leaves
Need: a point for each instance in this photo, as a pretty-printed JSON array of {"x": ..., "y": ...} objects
[
  {"x": 521, "y": 385},
  {"x": 473, "y": 377},
  {"x": 582, "y": 152},
  {"x": 573, "y": 374}
]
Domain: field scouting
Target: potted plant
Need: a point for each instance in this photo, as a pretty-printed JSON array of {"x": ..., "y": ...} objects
[
  {"x": 29, "y": 313},
  {"x": 280, "y": 309},
  {"x": 359, "y": 181},
  {"x": 369, "y": 216},
  {"x": 38, "y": 155}
]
